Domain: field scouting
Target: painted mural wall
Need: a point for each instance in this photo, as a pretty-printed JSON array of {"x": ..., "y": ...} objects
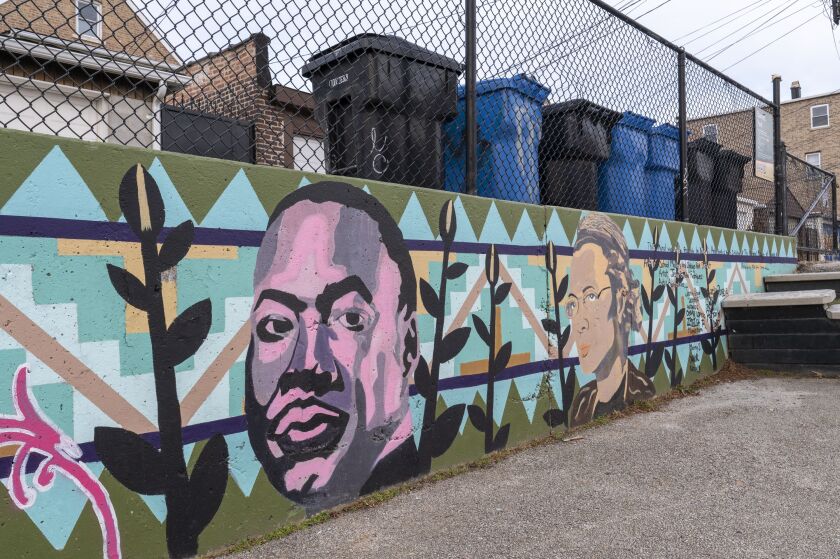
[{"x": 194, "y": 351}]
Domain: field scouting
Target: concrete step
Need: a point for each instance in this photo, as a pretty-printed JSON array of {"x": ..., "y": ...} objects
[
  {"x": 778, "y": 305},
  {"x": 817, "y": 341},
  {"x": 803, "y": 281}
]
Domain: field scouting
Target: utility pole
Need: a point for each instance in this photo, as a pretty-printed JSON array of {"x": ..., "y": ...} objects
[{"x": 835, "y": 11}]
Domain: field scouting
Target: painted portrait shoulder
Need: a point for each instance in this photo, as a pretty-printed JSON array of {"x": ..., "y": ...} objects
[{"x": 639, "y": 386}]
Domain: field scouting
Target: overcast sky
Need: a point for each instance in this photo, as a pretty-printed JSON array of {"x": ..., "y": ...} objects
[{"x": 808, "y": 54}]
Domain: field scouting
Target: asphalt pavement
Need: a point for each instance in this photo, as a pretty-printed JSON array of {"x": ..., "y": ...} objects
[{"x": 747, "y": 469}]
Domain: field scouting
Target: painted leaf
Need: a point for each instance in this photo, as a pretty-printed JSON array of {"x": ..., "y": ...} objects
[
  {"x": 669, "y": 360},
  {"x": 208, "y": 482},
  {"x": 704, "y": 292},
  {"x": 565, "y": 337},
  {"x": 453, "y": 343},
  {"x": 129, "y": 287},
  {"x": 187, "y": 332},
  {"x": 562, "y": 289},
  {"x": 677, "y": 379},
  {"x": 554, "y": 418},
  {"x": 481, "y": 329},
  {"x": 176, "y": 245},
  {"x": 672, "y": 296},
  {"x": 501, "y": 439},
  {"x": 141, "y": 202},
  {"x": 707, "y": 346},
  {"x": 477, "y": 417},
  {"x": 502, "y": 293},
  {"x": 444, "y": 430},
  {"x": 645, "y": 301},
  {"x": 680, "y": 316},
  {"x": 657, "y": 292},
  {"x": 549, "y": 325},
  {"x": 502, "y": 358},
  {"x": 430, "y": 299},
  {"x": 423, "y": 380},
  {"x": 133, "y": 461},
  {"x": 655, "y": 360},
  {"x": 711, "y": 277},
  {"x": 569, "y": 388},
  {"x": 456, "y": 270}
]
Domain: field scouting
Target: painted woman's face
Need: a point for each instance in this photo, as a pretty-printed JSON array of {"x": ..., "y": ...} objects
[{"x": 588, "y": 306}]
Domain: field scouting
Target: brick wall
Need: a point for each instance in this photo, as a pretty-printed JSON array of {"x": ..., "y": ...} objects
[
  {"x": 122, "y": 30},
  {"x": 236, "y": 83},
  {"x": 800, "y": 138}
]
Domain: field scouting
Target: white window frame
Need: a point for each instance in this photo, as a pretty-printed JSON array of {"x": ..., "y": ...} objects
[
  {"x": 716, "y": 133},
  {"x": 827, "y": 116},
  {"x": 98, "y": 36},
  {"x": 819, "y": 158}
]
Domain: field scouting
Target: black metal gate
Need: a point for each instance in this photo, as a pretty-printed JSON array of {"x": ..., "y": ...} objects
[{"x": 196, "y": 133}]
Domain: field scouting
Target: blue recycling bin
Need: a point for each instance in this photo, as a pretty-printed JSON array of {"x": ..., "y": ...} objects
[
  {"x": 509, "y": 133},
  {"x": 621, "y": 178},
  {"x": 661, "y": 171}
]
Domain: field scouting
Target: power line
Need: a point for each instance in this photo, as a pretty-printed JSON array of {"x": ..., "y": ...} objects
[
  {"x": 653, "y": 9},
  {"x": 734, "y": 20},
  {"x": 764, "y": 26},
  {"x": 772, "y": 13},
  {"x": 717, "y": 20},
  {"x": 777, "y": 39}
]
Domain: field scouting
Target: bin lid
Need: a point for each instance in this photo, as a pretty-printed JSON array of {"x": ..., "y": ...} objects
[
  {"x": 583, "y": 107},
  {"x": 521, "y": 83},
  {"x": 633, "y": 120},
  {"x": 371, "y": 42},
  {"x": 733, "y": 157},
  {"x": 667, "y": 130},
  {"x": 704, "y": 145}
]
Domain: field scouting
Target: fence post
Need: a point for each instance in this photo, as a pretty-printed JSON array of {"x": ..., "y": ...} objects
[
  {"x": 778, "y": 159},
  {"x": 682, "y": 195},
  {"x": 834, "y": 214},
  {"x": 471, "y": 132}
]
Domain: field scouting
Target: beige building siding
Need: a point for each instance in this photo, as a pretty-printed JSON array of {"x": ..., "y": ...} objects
[{"x": 801, "y": 139}]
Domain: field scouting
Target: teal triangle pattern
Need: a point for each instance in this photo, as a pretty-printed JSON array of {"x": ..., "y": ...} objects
[
  {"x": 414, "y": 224},
  {"x": 244, "y": 466},
  {"x": 528, "y": 387},
  {"x": 464, "y": 233},
  {"x": 56, "y": 510},
  {"x": 494, "y": 228},
  {"x": 54, "y": 189},
  {"x": 176, "y": 211},
  {"x": 303, "y": 182},
  {"x": 237, "y": 208},
  {"x": 525, "y": 234},
  {"x": 555, "y": 232}
]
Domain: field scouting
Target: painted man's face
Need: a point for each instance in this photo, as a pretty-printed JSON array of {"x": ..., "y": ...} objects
[
  {"x": 327, "y": 365},
  {"x": 588, "y": 306}
]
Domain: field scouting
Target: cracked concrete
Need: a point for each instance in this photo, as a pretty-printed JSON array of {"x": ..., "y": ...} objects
[{"x": 748, "y": 469}]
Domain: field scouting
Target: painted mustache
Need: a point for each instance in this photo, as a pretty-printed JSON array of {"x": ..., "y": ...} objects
[{"x": 307, "y": 429}]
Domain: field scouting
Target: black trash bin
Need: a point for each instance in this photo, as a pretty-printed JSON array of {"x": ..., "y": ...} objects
[
  {"x": 728, "y": 183},
  {"x": 382, "y": 101},
  {"x": 576, "y": 140},
  {"x": 702, "y": 162}
]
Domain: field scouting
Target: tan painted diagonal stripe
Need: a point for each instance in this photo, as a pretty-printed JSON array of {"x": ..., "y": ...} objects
[
  {"x": 525, "y": 307},
  {"x": 214, "y": 374},
  {"x": 38, "y": 342},
  {"x": 472, "y": 297}
]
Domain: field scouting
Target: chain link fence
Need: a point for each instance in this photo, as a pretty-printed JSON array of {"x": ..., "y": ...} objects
[
  {"x": 811, "y": 209},
  {"x": 576, "y": 105}
]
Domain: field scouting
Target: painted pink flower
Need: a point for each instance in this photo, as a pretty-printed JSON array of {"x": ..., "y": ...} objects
[{"x": 33, "y": 433}]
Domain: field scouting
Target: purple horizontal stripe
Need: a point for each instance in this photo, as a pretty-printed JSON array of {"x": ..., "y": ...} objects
[
  {"x": 20, "y": 226},
  {"x": 238, "y": 424}
]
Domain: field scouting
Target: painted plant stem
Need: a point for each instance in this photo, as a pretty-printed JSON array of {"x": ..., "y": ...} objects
[
  {"x": 711, "y": 296},
  {"x": 557, "y": 417},
  {"x": 439, "y": 432},
  {"x": 496, "y": 361},
  {"x": 653, "y": 354},
  {"x": 672, "y": 361},
  {"x": 191, "y": 501}
]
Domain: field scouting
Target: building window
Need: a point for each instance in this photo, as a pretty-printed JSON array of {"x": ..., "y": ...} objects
[
  {"x": 814, "y": 158},
  {"x": 710, "y": 132},
  {"x": 819, "y": 116},
  {"x": 89, "y": 19}
]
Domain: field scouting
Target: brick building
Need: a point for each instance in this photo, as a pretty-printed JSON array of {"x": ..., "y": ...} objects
[
  {"x": 89, "y": 69},
  {"x": 234, "y": 86}
]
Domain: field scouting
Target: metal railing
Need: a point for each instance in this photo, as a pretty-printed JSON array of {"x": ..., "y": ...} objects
[{"x": 562, "y": 102}]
